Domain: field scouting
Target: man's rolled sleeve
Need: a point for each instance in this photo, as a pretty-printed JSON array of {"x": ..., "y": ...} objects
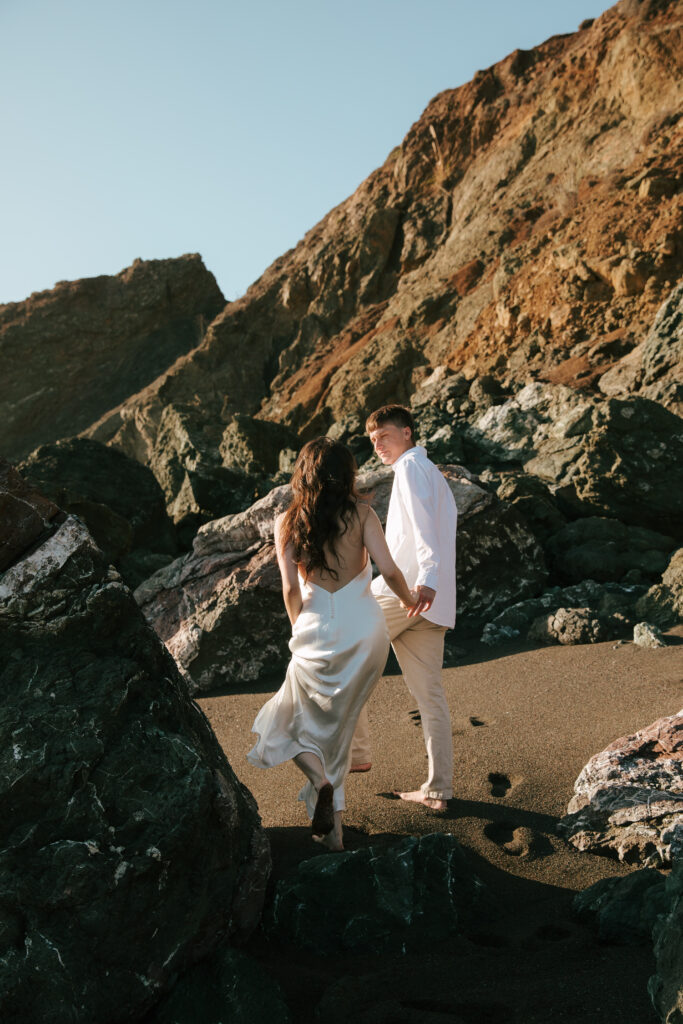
[{"x": 417, "y": 495}]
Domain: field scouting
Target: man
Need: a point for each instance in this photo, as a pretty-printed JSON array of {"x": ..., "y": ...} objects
[{"x": 420, "y": 532}]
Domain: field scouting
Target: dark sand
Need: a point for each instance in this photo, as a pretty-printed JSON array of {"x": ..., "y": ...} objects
[{"x": 525, "y": 721}]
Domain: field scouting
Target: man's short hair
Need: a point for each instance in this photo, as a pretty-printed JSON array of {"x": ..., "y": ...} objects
[{"x": 396, "y": 414}]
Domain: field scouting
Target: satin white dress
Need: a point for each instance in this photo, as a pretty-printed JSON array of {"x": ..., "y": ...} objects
[{"x": 339, "y": 647}]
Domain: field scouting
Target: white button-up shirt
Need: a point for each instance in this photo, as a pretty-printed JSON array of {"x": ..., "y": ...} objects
[{"x": 420, "y": 532}]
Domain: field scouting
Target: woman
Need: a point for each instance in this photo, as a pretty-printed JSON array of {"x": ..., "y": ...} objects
[{"x": 324, "y": 542}]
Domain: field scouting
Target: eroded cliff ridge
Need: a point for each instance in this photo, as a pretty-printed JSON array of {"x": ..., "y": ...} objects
[{"x": 527, "y": 226}]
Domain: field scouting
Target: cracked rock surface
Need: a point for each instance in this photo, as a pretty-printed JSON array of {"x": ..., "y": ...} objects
[{"x": 128, "y": 847}]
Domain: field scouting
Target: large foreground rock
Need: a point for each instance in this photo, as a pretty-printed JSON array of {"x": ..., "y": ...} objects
[
  {"x": 666, "y": 986},
  {"x": 628, "y": 799},
  {"x": 219, "y": 610},
  {"x": 128, "y": 849},
  {"x": 71, "y": 354},
  {"x": 226, "y": 987},
  {"x": 407, "y": 897}
]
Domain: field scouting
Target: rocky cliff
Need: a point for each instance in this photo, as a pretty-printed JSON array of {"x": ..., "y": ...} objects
[
  {"x": 69, "y": 354},
  {"x": 526, "y": 227}
]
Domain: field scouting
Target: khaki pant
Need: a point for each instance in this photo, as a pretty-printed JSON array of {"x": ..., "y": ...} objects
[{"x": 418, "y": 645}]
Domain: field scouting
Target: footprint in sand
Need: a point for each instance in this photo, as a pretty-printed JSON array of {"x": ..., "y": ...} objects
[
  {"x": 518, "y": 842},
  {"x": 476, "y": 721},
  {"x": 500, "y": 784}
]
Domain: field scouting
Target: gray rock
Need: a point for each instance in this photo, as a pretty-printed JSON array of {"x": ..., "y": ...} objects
[
  {"x": 647, "y": 635},
  {"x": 666, "y": 985},
  {"x": 187, "y": 463},
  {"x": 534, "y": 501},
  {"x": 25, "y": 514},
  {"x": 228, "y": 986},
  {"x": 628, "y": 799},
  {"x": 118, "y": 499},
  {"x": 569, "y": 626},
  {"x": 253, "y": 446},
  {"x": 624, "y": 910},
  {"x": 627, "y": 466},
  {"x": 240, "y": 531},
  {"x": 663, "y": 348},
  {"x": 539, "y": 414},
  {"x": 663, "y": 603},
  {"x": 221, "y": 616},
  {"x": 405, "y": 897},
  {"x": 611, "y": 604},
  {"x": 604, "y": 549},
  {"x": 129, "y": 849}
]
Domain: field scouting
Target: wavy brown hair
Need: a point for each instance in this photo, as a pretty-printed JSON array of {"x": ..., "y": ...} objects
[{"x": 323, "y": 502}]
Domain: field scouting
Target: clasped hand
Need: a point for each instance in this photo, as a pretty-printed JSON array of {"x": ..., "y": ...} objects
[{"x": 423, "y": 600}]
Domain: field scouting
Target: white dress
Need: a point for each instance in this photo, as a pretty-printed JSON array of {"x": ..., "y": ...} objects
[{"x": 339, "y": 647}]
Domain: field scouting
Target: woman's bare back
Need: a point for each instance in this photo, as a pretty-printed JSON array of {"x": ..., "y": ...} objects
[{"x": 349, "y": 558}]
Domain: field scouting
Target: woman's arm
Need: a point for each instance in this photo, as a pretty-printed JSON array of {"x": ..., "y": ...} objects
[
  {"x": 375, "y": 542},
  {"x": 291, "y": 592}
]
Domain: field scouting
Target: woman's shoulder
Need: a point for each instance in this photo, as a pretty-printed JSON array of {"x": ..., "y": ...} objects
[{"x": 365, "y": 511}]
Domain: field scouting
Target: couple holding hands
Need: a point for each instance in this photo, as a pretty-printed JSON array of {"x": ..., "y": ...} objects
[{"x": 343, "y": 621}]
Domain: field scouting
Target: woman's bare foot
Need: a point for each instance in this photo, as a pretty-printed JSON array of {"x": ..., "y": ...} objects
[
  {"x": 418, "y": 797},
  {"x": 333, "y": 840},
  {"x": 323, "y": 816}
]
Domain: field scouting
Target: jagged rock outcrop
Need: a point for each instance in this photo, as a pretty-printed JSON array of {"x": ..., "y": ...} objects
[
  {"x": 71, "y": 354},
  {"x": 408, "y": 896},
  {"x": 656, "y": 365},
  {"x": 570, "y": 626},
  {"x": 119, "y": 501},
  {"x": 616, "y": 459},
  {"x": 128, "y": 849},
  {"x": 526, "y": 228},
  {"x": 628, "y": 800},
  {"x": 219, "y": 609},
  {"x": 666, "y": 986},
  {"x": 663, "y": 603},
  {"x": 608, "y": 609}
]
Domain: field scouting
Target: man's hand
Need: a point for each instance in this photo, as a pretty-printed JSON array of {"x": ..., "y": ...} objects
[{"x": 425, "y": 598}]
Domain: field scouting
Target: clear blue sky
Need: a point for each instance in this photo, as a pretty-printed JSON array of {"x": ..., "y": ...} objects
[{"x": 153, "y": 128}]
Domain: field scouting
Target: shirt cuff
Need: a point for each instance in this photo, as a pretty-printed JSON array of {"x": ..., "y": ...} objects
[{"x": 428, "y": 578}]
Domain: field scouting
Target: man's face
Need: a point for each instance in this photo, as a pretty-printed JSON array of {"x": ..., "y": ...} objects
[{"x": 390, "y": 441}]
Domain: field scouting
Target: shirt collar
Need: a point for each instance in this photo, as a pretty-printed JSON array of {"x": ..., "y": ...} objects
[{"x": 417, "y": 449}]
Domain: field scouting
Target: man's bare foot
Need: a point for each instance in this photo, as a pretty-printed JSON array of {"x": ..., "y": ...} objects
[
  {"x": 418, "y": 797},
  {"x": 361, "y": 767}
]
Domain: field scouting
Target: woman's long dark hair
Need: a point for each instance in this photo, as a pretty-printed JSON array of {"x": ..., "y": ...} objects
[{"x": 323, "y": 502}]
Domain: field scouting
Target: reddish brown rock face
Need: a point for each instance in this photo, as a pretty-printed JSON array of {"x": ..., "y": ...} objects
[{"x": 526, "y": 217}]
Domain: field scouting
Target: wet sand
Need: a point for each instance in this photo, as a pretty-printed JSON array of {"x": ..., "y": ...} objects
[{"x": 525, "y": 721}]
